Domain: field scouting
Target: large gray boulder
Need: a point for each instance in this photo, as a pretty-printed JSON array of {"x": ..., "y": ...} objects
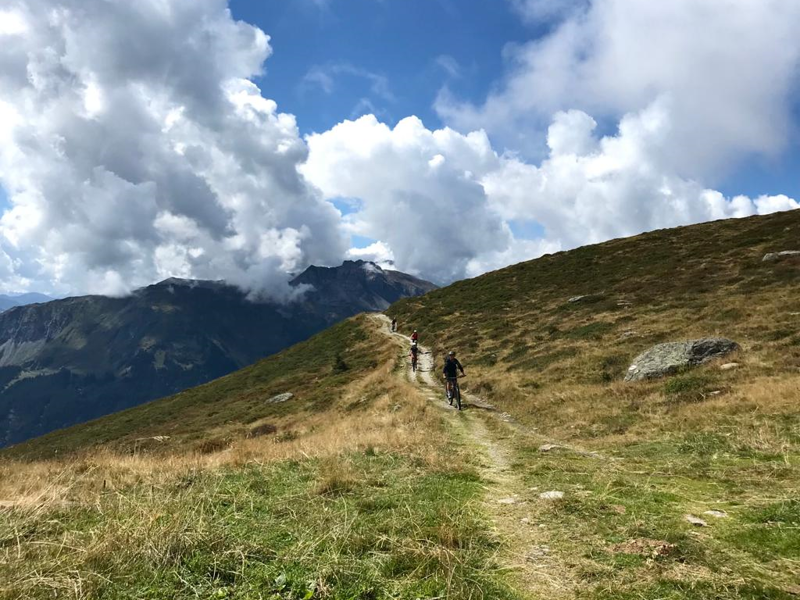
[{"x": 667, "y": 359}]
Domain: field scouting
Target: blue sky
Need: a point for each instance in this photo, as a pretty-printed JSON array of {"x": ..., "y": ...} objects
[
  {"x": 410, "y": 43},
  {"x": 417, "y": 47}
]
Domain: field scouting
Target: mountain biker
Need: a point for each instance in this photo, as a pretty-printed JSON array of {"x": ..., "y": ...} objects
[
  {"x": 414, "y": 337},
  {"x": 414, "y": 352},
  {"x": 450, "y": 373},
  {"x": 394, "y": 325}
]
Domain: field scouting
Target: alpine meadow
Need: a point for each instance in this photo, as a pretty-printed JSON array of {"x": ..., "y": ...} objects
[{"x": 558, "y": 479}]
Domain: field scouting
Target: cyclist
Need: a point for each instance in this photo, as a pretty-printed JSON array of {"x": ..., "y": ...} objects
[
  {"x": 414, "y": 337},
  {"x": 450, "y": 373},
  {"x": 414, "y": 352},
  {"x": 394, "y": 325}
]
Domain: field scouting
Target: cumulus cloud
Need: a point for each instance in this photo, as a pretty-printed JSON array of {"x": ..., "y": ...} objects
[
  {"x": 590, "y": 189},
  {"x": 134, "y": 146},
  {"x": 728, "y": 70},
  {"x": 442, "y": 203},
  {"x": 420, "y": 191}
]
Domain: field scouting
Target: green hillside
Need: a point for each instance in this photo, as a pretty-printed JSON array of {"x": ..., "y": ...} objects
[
  {"x": 558, "y": 480},
  {"x": 349, "y": 489},
  {"x": 705, "y": 439},
  {"x": 211, "y": 415}
]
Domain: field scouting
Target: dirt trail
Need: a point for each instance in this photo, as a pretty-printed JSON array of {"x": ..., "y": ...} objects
[{"x": 518, "y": 515}]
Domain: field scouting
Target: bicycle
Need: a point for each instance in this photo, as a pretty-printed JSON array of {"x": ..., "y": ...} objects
[
  {"x": 414, "y": 363},
  {"x": 455, "y": 391}
]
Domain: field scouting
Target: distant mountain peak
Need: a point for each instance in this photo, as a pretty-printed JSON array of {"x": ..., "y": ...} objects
[{"x": 97, "y": 354}]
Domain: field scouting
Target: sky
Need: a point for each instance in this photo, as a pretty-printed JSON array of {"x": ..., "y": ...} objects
[{"x": 246, "y": 140}]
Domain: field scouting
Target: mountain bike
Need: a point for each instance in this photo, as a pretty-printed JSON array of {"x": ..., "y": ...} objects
[
  {"x": 455, "y": 391},
  {"x": 414, "y": 363}
]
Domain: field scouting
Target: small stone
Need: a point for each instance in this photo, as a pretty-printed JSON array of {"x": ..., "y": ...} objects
[
  {"x": 548, "y": 447},
  {"x": 794, "y": 590},
  {"x": 280, "y": 398},
  {"x": 715, "y": 393},
  {"x": 551, "y": 495},
  {"x": 525, "y": 520},
  {"x": 507, "y": 501},
  {"x": 719, "y": 514},
  {"x": 576, "y": 298},
  {"x": 696, "y": 521},
  {"x": 537, "y": 552},
  {"x": 729, "y": 366},
  {"x": 775, "y": 256},
  {"x": 619, "y": 509}
]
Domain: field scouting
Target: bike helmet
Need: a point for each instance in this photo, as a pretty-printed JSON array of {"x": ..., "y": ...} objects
[{"x": 452, "y": 353}]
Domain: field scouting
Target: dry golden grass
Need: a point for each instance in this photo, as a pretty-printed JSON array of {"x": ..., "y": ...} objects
[{"x": 398, "y": 420}]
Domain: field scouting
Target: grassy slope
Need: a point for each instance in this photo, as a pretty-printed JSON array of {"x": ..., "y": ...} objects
[
  {"x": 706, "y": 439},
  {"x": 227, "y": 408},
  {"x": 360, "y": 494},
  {"x": 357, "y": 495}
]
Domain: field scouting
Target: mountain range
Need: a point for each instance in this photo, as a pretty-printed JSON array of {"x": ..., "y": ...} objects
[
  {"x": 68, "y": 361},
  {"x": 11, "y": 300}
]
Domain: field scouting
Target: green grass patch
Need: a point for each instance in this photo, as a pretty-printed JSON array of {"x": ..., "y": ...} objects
[{"x": 357, "y": 527}]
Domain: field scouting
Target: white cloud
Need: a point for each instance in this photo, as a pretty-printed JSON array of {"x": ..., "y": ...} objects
[
  {"x": 441, "y": 203},
  {"x": 378, "y": 252},
  {"x": 545, "y": 10},
  {"x": 324, "y": 77},
  {"x": 600, "y": 188},
  {"x": 420, "y": 191},
  {"x": 728, "y": 70},
  {"x": 449, "y": 65},
  {"x": 135, "y": 146}
]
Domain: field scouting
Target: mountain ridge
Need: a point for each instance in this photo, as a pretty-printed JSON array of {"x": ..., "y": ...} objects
[{"x": 70, "y": 360}]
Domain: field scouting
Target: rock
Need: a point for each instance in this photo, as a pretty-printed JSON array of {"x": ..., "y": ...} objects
[
  {"x": 576, "y": 298},
  {"x": 280, "y": 398},
  {"x": 667, "y": 359},
  {"x": 776, "y": 256},
  {"x": 525, "y": 521},
  {"x": 719, "y": 514},
  {"x": 551, "y": 495},
  {"x": 507, "y": 501},
  {"x": 537, "y": 552},
  {"x": 548, "y": 447},
  {"x": 729, "y": 366},
  {"x": 696, "y": 521}
]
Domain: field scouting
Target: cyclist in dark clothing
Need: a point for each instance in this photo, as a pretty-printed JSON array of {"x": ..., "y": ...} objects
[{"x": 450, "y": 372}]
